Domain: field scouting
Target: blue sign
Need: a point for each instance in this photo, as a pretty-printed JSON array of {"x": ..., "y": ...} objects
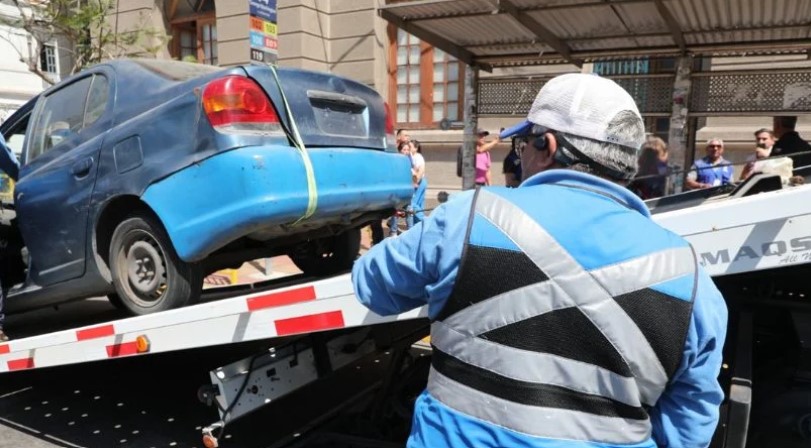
[
  {"x": 257, "y": 39},
  {"x": 264, "y": 9}
]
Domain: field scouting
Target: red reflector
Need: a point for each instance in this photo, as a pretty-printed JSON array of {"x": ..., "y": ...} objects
[
  {"x": 20, "y": 364},
  {"x": 281, "y": 298},
  {"x": 237, "y": 99},
  {"x": 95, "y": 332},
  {"x": 125, "y": 349},
  {"x": 313, "y": 322},
  {"x": 4, "y": 349}
]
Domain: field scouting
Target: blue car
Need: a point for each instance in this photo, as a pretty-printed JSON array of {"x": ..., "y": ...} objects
[{"x": 140, "y": 177}]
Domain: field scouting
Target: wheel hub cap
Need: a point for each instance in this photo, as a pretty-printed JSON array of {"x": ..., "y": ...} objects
[{"x": 145, "y": 268}]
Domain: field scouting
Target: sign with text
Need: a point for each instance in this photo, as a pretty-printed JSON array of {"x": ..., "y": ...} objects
[{"x": 264, "y": 33}]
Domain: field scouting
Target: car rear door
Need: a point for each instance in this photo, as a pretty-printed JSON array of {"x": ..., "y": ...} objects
[{"x": 60, "y": 159}]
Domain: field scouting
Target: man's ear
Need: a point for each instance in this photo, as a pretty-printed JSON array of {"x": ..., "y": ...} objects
[{"x": 547, "y": 156}]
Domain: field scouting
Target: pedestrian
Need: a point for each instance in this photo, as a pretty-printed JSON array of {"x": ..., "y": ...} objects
[
  {"x": 553, "y": 323},
  {"x": 483, "y": 160},
  {"x": 512, "y": 164},
  {"x": 420, "y": 184},
  {"x": 10, "y": 166},
  {"x": 789, "y": 142},
  {"x": 653, "y": 173},
  {"x": 712, "y": 170},
  {"x": 764, "y": 143},
  {"x": 404, "y": 148},
  {"x": 376, "y": 226}
]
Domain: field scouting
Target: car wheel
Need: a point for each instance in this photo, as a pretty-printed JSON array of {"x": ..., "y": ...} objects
[
  {"x": 148, "y": 275},
  {"x": 328, "y": 255}
]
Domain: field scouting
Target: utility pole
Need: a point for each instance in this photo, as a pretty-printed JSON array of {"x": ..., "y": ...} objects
[{"x": 471, "y": 119}]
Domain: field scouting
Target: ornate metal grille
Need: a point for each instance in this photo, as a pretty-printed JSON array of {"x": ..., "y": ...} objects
[
  {"x": 751, "y": 92},
  {"x": 508, "y": 96},
  {"x": 652, "y": 93},
  {"x": 515, "y": 96}
]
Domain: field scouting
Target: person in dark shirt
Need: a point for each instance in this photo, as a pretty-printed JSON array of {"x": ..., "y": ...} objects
[
  {"x": 512, "y": 164},
  {"x": 654, "y": 171},
  {"x": 789, "y": 141}
]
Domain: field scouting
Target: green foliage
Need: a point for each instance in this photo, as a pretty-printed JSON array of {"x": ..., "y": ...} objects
[{"x": 88, "y": 27}]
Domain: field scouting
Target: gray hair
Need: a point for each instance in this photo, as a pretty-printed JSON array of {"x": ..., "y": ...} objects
[
  {"x": 714, "y": 139},
  {"x": 628, "y": 127}
]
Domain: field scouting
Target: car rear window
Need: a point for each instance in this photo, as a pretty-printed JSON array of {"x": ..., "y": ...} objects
[{"x": 176, "y": 70}]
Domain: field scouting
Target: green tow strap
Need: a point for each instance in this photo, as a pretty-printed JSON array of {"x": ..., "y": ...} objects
[{"x": 312, "y": 190}]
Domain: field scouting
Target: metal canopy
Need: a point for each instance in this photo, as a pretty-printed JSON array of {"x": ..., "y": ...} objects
[{"x": 506, "y": 33}]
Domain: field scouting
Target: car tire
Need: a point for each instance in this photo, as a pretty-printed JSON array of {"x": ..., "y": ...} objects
[
  {"x": 116, "y": 302},
  {"x": 328, "y": 255},
  {"x": 149, "y": 276}
]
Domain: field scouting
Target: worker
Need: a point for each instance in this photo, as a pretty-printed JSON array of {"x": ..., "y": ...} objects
[
  {"x": 562, "y": 315},
  {"x": 10, "y": 166}
]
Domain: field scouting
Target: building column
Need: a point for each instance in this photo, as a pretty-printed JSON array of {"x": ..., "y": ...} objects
[
  {"x": 678, "y": 135},
  {"x": 471, "y": 119}
]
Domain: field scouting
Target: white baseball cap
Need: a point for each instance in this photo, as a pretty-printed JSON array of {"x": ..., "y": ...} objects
[{"x": 582, "y": 105}]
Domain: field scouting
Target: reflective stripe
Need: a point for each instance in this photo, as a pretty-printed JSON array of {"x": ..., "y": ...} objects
[
  {"x": 576, "y": 283},
  {"x": 510, "y": 307},
  {"x": 643, "y": 272},
  {"x": 617, "y": 279},
  {"x": 534, "y": 420},
  {"x": 531, "y": 366}
]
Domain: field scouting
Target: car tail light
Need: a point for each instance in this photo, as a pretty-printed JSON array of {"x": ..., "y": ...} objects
[
  {"x": 237, "y": 103},
  {"x": 390, "y": 138}
]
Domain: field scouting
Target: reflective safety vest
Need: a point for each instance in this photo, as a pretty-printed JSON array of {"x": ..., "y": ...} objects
[{"x": 531, "y": 341}]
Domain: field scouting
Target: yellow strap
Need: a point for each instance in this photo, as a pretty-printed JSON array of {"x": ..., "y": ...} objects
[{"x": 312, "y": 190}]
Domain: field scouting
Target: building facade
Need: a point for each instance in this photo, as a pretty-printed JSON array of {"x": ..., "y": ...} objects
[
  {"x": 423, "y": 85},
  {"x": 17, "y": 83}
]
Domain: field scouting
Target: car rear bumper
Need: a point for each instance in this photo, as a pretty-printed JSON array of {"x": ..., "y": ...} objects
[{"x": 263, "y": 190}]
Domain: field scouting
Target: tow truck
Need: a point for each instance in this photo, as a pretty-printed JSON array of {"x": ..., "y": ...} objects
[{"x": 753, "y": 238}]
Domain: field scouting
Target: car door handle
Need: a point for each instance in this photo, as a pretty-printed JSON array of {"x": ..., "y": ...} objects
[{"x": 82, "y": 167}]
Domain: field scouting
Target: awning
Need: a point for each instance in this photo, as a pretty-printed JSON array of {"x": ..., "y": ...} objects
[{"x": 505, "y": 33}]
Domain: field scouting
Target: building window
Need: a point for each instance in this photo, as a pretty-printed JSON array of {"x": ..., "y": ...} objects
[
  {"x": 188, "y": 45},
  {"x": 427, "y": 82},
  {"x": 195, "y": 39},
  {"x": 446, "y": 87},
  {"x": 209, "y": 43},
  {"x": 47, "y": 59},
  {"x": 408, "y": 78}
]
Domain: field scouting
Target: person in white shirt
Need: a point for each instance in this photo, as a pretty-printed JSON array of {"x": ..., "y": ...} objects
[
  {"x": 764, "y": 142},
  {"x": 420, "y": 183}
]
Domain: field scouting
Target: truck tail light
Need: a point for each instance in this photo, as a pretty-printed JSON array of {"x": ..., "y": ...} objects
[
  {"x": 237, "y": 103},
  {"x": 390, "y": 138}
]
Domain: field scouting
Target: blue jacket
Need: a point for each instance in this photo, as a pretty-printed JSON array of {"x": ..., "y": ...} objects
[{"x": 420, "y": 267}]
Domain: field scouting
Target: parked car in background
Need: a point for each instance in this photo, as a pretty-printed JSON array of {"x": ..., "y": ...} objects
[{"x": 139, "y": 177}]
